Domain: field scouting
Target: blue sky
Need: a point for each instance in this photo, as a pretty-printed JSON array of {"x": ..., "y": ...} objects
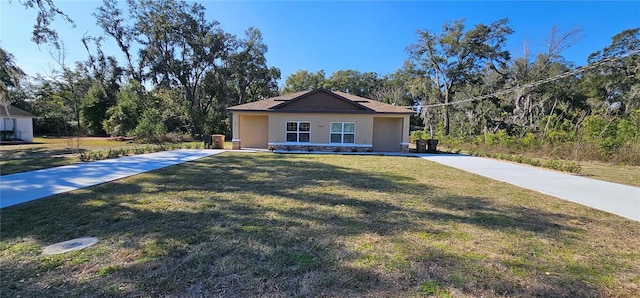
[{"x": 334, "y": 35}]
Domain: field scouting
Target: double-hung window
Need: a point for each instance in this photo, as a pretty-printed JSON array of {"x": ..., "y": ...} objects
[
  {"x": 343, "y": 132},
  {"x": 298, "y": 131}
]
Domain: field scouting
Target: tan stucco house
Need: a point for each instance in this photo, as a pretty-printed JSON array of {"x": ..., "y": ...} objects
[
  {"x": 16, "y": 124},
  {"x": 321, "y": 120}
]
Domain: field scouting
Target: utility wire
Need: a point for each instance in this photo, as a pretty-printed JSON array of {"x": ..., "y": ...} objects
[{"x": 531, "y": 85}]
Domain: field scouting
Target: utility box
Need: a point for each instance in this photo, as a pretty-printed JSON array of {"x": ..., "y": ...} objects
[{"x": 218, "y": 141}]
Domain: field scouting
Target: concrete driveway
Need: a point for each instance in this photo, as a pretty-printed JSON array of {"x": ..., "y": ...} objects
[
  {"x": 615, "y": 198},
  {"x": 28, "y": 186}
]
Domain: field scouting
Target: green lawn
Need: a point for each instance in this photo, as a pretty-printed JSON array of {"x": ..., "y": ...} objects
[{"x": 264, "y": 224}]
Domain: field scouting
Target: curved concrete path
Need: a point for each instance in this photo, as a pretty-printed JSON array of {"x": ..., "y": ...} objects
[
  {"x": 615, "y": 198},
  {"x": 28, "y": 186}
]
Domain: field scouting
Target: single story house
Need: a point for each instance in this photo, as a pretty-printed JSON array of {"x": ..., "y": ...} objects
[
  {"x": 16, "y": 124},
  {"x": 321, "y": 120}
]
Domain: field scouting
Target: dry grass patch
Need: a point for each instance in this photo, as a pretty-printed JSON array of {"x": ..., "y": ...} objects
[
  {"x": 52, "y": 152},
  {"x": 55, "y": 146},
  {"x": 624, "y": 174},
  {"x": 242, "y": 225}
]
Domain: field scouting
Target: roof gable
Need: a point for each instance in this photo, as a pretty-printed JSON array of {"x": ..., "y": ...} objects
[{"x": 320, "y": 100}]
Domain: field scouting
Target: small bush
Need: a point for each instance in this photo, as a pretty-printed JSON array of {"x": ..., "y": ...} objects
[
  {"x": 151, "y": 127},
  {"x": 418, "y": 135},
  {"x": 178, "y": 137},
  {"x": 535, "y": 163},
  {"x": 573, "y": 167},
  {"x": 553, "y": 164}
]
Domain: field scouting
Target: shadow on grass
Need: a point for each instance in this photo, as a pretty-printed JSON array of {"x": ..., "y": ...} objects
[
  {"x": 31, "y": 164},
  {"x": 26, "y": 153},
  {"x": 484, "y": 213},
  {"x": 257, "y": 225},
  {"x": 14, "y": 159}
]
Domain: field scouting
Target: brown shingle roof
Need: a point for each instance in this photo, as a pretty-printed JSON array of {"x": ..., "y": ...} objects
[
  {"x": 13, "y": 112},
  {"x": 378, "y": 106},
  {"x": 272, "y": 104}
]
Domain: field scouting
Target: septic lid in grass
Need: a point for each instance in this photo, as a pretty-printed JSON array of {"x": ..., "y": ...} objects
[{"x": 70, "y": 245}]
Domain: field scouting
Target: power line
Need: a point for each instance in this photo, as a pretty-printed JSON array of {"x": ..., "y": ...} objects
[{"x": 533, "y": 84}]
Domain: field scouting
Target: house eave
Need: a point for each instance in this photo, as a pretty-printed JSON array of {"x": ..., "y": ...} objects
[{"x": 322, "y": 112}]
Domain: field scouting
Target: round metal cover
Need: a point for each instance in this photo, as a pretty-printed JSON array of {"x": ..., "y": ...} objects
[{"x": 70, "y": 245}]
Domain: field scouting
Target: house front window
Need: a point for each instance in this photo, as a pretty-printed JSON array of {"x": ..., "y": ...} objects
[
  {"x": 298, "y": 131},
  {"x": 343, "y": 132}
]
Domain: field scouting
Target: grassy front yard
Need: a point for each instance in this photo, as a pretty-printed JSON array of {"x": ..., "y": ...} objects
[{"x": 264, "y": 224}]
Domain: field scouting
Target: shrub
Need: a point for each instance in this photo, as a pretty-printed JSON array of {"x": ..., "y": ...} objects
[
  {"x": 151, "y": 127},
  {"x": 529, "y": 141},
  {"x": 178, "y": 137},
  {"x": 417, "y": 135},
  {"x": 573, "y": 167},
  {"x": 553, "y": 164}
]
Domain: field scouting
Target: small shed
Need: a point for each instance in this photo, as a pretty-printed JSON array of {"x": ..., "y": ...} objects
[{"x": 16, "y": 124}]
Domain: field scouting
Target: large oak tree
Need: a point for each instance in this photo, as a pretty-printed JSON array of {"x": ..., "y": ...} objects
[{"x": 457, "y": 56}]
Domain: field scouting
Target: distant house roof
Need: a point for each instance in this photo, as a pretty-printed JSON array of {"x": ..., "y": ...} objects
[
  {"x": 317, "y": 101},
  {"x": 14, "y": 112}
]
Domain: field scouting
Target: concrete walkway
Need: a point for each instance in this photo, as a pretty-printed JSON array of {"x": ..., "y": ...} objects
[
  {"x": 28, "y": 186},
  {"x": 615, "y": 198}
]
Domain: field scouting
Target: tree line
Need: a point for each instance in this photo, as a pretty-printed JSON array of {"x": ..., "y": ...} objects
[
  {"x": 536, "y": 102},
  {"x": 181, "y": 71}
]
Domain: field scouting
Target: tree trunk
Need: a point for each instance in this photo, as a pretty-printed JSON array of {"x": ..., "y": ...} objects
[
  {"x": 445, "y": 113},
  {"x": 546, "y": 126},
  {"x": 529, "y": 106}
]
